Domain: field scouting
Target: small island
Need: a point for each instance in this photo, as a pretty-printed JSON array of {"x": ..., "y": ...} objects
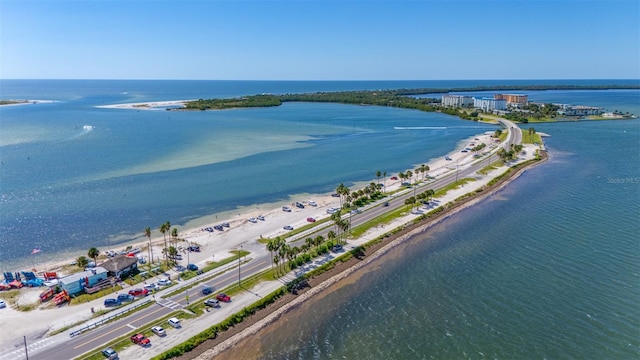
[{"x": 514, "y": 107}]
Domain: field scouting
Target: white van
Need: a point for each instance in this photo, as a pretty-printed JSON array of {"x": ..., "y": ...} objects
[{"x": 174, "y": 322}]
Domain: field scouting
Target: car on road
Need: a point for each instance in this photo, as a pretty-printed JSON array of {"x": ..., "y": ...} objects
[
  {"x": 312, "y": 203},
  {"x": 212, "y": 302},
  {"x": 110, "y": 354},
  {"x": 310, "y": 219},
  {"x": 286, "y": 209},
  {"x": 206, "y": 290},
  {"x": 125, "y": 298},
  {"x": 140, "y": 339},
  {"x": 194, "y": 248},
  {"x": 385, "y": 204},
  {"x": 288, "y": 227},
  {"x": 356, "y": 211},
  {"x": 223, "y": 297},
  {"x": 192, "y": 267},
  {"x": 2, "y": 304},
  {"x": 164, "y": 282},
  {"x": 175, "y": 322},
  {"x": 139, "y": 292},
  {"x": 158, "y": 330},
  {"x": 111, "y": 302}
]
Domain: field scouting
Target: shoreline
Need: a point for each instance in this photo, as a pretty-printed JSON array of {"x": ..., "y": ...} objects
[
  {"x": 341, "y": 271},
  {"x": 192, "y": 230}
]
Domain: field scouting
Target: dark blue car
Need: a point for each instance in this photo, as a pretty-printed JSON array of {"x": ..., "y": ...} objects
[
  {"x": 111, "y": 302},
  {"x": 192, "y": 267}
]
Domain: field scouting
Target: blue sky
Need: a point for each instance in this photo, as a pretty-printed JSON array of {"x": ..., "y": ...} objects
[{"x": 320, "y": 40}]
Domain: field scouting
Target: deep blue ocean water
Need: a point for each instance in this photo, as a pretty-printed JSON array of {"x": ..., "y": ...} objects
[{"x": 548, "y": 268}]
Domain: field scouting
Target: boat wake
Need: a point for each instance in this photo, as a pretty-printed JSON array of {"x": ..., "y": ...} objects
[{"x": 419, "y": 127}]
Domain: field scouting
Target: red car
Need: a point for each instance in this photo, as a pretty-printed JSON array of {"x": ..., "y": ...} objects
[
  {"x": 223, "y": 297},
  {"x": 394, "y": 178},
  {"x": 138, "y": 292},
  {"x": 310, "y": 219},
  {"x": 140, "y": 339}
]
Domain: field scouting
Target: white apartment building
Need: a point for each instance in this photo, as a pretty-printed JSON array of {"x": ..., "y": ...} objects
[
  {"x": 489, "y": 104},
  {"x": 456, "y": 100}
]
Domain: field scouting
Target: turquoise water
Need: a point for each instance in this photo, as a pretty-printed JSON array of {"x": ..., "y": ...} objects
[
  {"x": 546, "y": 269},
  {"x": 75, "y": 176}
]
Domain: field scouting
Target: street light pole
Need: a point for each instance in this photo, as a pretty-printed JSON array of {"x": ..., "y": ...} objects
[{"x": 239, "y": 253}]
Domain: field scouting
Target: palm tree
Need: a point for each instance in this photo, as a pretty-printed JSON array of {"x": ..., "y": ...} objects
[
  {"x": 174, "y": 235},
  {"x": 276, "y": 260},
  {"x": 272, "y": 245},
  {"x": 147, "y": 232},
  {"x": 318, "y": 240},
  {"x": 531, "y": 131},
  {"x": 93, "y": 253},
  {"x": 340, "y": 191},
  {"x": 163, "y": 230},
  {"x": 385, "y": 180},
  {"x": 172, "y": 253},
  {"x": 331, "y": 235},
  {"x": 378, "y": 174},
  {"x": 82, "y": 262},
  {"x": 424, "y": 168},
  {"x": 309, "y": 242}
]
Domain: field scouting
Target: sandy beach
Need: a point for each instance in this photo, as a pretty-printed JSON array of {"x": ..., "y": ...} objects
[
  {"x": 217, "y": 245},
  {"x": 155, "y": 105}
]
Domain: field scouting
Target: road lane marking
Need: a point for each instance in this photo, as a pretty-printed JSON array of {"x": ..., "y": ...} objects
[
  {"x": 114, "y": 330},
  {"x": 131, "y": 326}
]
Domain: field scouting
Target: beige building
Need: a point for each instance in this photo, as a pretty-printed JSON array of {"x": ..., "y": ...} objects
[{"x": 512, "y": 98}]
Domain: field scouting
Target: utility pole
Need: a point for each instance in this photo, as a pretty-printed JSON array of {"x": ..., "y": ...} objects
[
  {"x": 239, "y": 252},
  {"x": 26, "y": 351}
]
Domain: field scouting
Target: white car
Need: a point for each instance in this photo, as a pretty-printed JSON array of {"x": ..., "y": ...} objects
[
  {"x": 164, "y": 282},
  {"x": 158, "y": 330},
  {"x": 2, "y": 304},
  {"x": 253, "y": 220},
  {"x": 152, "y": 287},
  {"x": 332, "y": 210},
  {"x": 312, "y": 203}
]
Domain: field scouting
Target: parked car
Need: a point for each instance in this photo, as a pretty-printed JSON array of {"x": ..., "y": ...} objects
[
  {"x": 261, "y": 217},
  {"x": 288, "y": 227},
  {"x": 192, "y": 267},
  {"x": 310, "y": 219},
  {"x": 158, "y": 330},
  {"x": 226, "y": 224},
  {"x": 164, "y": 282},
  {"x": 299, "y": 205},
  {"x": 253, "y": 220},
  {"x": 223, "y": 297},
  {"x": 124, "y": 298},
  {"x": 312, "y": 203},
  {"x": 337, "y": 248},
  {"x": 175, "y": 322},
  {"x": 206, "y": 290},
  {"x": 176, "y": 257},
  {"x": 193, "y": 248},
  {"x": 332, "y": 210},
  {"x": 110, "y": 354},
  {"x": 2, "y": 304},
  {"x": 152, "y": 287},
  {"x": 394, "y": 178},
  {"x": 138, "y": 292},
  {"x": 111, "y": 302},
  {"x": 180, "y": 268},
  {"x": 140, "y": 339},
  {"x": 212, "y": 302},
  {"x": 286, "y": 209}
]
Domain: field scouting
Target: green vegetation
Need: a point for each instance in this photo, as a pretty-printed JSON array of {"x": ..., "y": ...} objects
[
  {"x": 490, "y": 167},
  {"x": 247, "y": 101},
  {"x": 12, "y": 102}
]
